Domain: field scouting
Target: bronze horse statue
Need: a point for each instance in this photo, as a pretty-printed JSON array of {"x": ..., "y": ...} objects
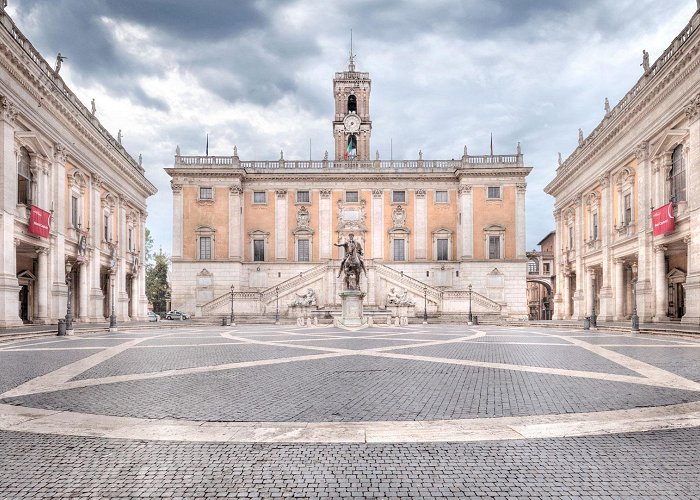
[{"x": 352, "y": 263}]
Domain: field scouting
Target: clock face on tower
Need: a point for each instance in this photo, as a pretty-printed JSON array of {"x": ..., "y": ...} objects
[{"x": 352, "y": 123}]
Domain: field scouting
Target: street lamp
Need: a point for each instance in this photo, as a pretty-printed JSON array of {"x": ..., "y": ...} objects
[
  {"x": 425, "y": 305},
  {"x": 635, "y": 318},
  {"x": 470, "y": 321},
  {"x": 277, "y": 305},
  {"x": 113, "y": 316},
  {"x": 233, "y": 319}
]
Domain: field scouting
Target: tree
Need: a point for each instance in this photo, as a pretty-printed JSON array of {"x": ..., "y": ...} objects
[
  {"x": 149, "y": 248},
  {"x": 157, "y": 282}
]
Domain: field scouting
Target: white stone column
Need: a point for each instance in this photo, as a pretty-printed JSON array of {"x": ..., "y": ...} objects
[
  {"x": 645, "y": 293},
  {"x": 325, "y": 219},
  {"x": 9, "y": 286},
  {"x": 558, "y": 313},
  {"x": 281, "y": 233},
  {"x": 606, "y": 228},
  {"x": 467, "y": 223},
  {"x": 377, "y": 224},
  {"x": 42, "y": 294},
  {"x": 95, "y": 307},
  {"x": 619, "y": 290},
  {"x": 567, "y": 295},
  {"x": 661, "y": 307},
  {"x": 578, "y": 293},
  {"x": 134, "y": 296},
  {"x": 178, "y": 220},
  {"x": 235, "y": 245},
  {"x": 83, "y": 291},
  {"x": 520, "y": 190},
  {"x": 692, "y": 169},
  {"x": 588, "y": 292},
  {"x": 420, "y": 226}
]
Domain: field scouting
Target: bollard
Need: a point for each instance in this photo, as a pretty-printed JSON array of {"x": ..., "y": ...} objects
[
  {"x": 224, "y": 321},
  {"x": 587, "y": 323},
  {"x": 61, "y": 327}
]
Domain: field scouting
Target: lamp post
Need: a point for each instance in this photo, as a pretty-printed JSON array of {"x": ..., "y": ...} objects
[
  {"x": 635, "y": 318},
  {"x": 425, "y": 305},
  {"x": 277, "y": 305},
  {"x": 113, "y": 316},
  {"x": 233, "y": 319},
  {"x": 470, "y": 320}
]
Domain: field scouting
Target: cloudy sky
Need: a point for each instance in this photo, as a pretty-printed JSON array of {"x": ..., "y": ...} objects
[{"x": 258, "y": 74}]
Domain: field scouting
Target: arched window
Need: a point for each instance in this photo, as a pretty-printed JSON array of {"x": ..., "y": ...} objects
[
  {"x": 352, "y": 104},
  {"x": 532, "y": 266},
  {"x": 24, "y": 178},
  {"x": 677, "y": 174}
]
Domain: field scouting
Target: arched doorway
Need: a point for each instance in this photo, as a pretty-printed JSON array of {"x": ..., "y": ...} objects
[{"x": 26, "y": 296}]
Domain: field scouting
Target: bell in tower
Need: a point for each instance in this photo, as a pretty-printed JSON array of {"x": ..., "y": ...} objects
[{"x": 352, "y": 125}]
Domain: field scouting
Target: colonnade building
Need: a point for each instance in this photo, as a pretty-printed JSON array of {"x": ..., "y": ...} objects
[
  {"x": 429, "y": 228},
  {"x": 73, "y": 200},
  {"x": 627, "y": 200}
]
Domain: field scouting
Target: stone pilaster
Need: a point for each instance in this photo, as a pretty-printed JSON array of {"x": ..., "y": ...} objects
[
  {"x": 466, "y": 226},
  {"x": 325, "y": 220},
  {"x": 281, "y": 232},
  {"x": 420, "y": 226},
  {"x": 235, "y": 241},
  {"x": 95, "y": 307},
  {"x": 378, "y": 224},
  {"x": 520, "y": 190},
  {"x": 558, "y": 313},
  {"x": 177, "y": 220},
  {"x": 83, "y": 291},
  {"x": 692, "y": 282},
  {"x": 578, "y": 293},
  {"x": 619, "y": 290},
  {"x": 606, "y": 225},
  {"x": 645, "y": 306},
  {"x": 661, "y": 305},
  {"x": 42, "y": 292}
]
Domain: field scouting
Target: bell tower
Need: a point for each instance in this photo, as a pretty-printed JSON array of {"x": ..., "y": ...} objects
[{"x": 352, "y": 125}]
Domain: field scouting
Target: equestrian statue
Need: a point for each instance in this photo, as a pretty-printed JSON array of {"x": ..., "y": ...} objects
[{"x": 352, "y": 263}]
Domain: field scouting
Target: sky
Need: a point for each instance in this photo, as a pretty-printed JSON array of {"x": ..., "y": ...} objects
[{"x": 258, "y": 75}]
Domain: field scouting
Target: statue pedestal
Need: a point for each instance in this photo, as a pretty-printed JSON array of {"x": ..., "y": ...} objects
[{"x": 352, "y": 308}]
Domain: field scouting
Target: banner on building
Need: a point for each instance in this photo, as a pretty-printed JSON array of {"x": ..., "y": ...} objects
[
  {"x": 39, "y": 222},
  {"x": 662, "y": 220}
]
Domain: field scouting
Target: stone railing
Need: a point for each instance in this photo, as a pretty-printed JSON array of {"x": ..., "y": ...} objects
[
  {"x": 477, "y": 299},
  {"x": 292, "y": 283},
  {"x": 225, "y": 299},
  {"x": 483, "y": 161},
  {"x": 416, "y": 286}
]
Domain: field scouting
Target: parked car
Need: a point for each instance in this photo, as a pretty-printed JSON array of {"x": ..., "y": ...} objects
[
  {"x": 153, "y": 316},
  {"x": 175, "y": 314}
]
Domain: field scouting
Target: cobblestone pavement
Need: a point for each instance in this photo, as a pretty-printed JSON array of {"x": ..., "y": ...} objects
[{"x": 419, "y": 411}]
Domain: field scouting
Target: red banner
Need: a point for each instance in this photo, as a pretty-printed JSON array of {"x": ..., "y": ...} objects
[
  {"x": 39, "y": 222},
  {"x": 663, "y": 220}
]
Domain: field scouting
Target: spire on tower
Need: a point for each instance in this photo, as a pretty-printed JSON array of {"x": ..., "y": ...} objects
[{"x": 351, "y": 63}]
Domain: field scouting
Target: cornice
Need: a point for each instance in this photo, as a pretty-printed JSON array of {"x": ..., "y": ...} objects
[
  {"x": 22, "y": 68},
  {"x": 646, "y": 101}
]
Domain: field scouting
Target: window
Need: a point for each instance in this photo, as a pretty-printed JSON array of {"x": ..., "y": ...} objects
[
  {"x": 677, "y": 174},
  {"x": 399, "y": 249},
  {"x": 352, "y": 196},
  {"x": 131, "y": 243},
  {"x": 532, "y": 266},
  {"x": 627, "y": 214},
  {"x": 259, "y": 250},
  {"x": 442, "y": 248},
  {"x": 441, "y": 197},
  {"x": 74, "y": 211},
  {"x": 206, "y": 193},
  {"x": 303, "y": 250},
  {"x": 571, "y": 237},
  {"x": 24, "y": 178},
  {"x": 107, "y": 232},
  {"x": 545, "y": 268},
  {"x": 494, "y": 193},
  {"x": 303, "y": 197},
  {"x": 259, "y": 197},
  {"x": 398, "y": 197},
  {"x": 494, "y": 247},
  {"x": 594, "y": 226},
  {"x": 205, "y": 247},
  {"x": 352, "y": 103}
]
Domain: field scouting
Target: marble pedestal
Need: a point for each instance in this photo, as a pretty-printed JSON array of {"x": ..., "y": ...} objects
[{"x": 352, "y": 308}]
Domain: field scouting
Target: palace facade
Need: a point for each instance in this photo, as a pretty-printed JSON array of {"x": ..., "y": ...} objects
[
  {"x": 643, "y": 157},
  {"x": 429, "y": 228},
  {"x": 73, "y": 200}
]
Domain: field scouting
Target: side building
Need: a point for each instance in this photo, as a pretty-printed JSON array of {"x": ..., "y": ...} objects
[
  {"x": 429, "y": 228},
  {"x": 627, "y": 200},
  {"x": 541, "y": 282},
  {"x": 73, "y": 200}
]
